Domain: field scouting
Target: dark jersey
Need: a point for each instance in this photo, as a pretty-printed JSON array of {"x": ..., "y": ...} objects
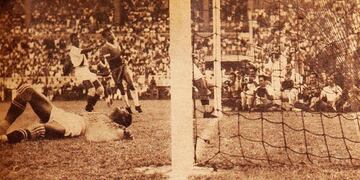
[
  {"x": 112, "y": 53},
  {"x": 310, "y": 91}
]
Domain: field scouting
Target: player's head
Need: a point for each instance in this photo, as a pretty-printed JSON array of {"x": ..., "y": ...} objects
[
  {"x": 108, "y": 35},
  {"x": 74, "y": 38},
  {"x": 121, "y": 116}
]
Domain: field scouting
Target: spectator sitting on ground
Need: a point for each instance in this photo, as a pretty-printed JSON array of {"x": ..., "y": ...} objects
[
  {"x": 263, "y": 96},
  {"x": 353, "y": 102},
  {"x": 330, "y": 96},
  {"x": 288, "y": 92},
  {"x": 248, "y": 90},
  {"x": 310, "y": 96}
]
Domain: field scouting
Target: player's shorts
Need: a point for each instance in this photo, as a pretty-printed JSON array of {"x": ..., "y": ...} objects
[
  {"x": 83, "y": 73},
  {"x": 202, "y": 89},
  {"x": 118, "y": 74},
  {"x": 74, "y": 124}
]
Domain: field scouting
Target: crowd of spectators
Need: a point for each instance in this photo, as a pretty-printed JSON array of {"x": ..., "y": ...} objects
[
  {"x": 311, "y": 39},
  {"x": 236, "y": 44},
  {"x": 234, "y": 26},
  {"x": 250, "y": 91},
  {"x": 234, "y": 15},
  {"x": 41, "y": 49},
  {"x": 283, "y": 34}
]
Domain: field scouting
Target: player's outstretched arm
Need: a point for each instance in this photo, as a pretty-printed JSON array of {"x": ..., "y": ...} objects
[{"x": 87, "y": 50}]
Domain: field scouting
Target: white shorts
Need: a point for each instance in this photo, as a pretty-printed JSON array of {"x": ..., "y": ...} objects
[
  {"x": 74, "y": 124},
  {"x": 83, "y": 73}
]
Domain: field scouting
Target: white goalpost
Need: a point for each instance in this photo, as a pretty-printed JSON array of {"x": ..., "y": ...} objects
[
  {"x": 182, "y": 140},
  {"x": 217, "y": 57},
  {"x": 182, "y": 147}
]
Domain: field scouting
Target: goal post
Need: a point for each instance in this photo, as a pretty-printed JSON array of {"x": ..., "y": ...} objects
[
  {"x": 181, "y": 68},
  {"x": 217, "y": 57},
  {"x": 182, "y": 147}
]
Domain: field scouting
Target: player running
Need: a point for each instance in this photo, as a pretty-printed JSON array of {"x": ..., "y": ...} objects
[
  {"x": 111, "y": 52},
  {"x": 79, "y": 61},
  {"x": 55, "y": 122}
]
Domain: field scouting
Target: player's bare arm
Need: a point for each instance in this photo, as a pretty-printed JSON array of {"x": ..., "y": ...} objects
[{"x": 89, "y": 49}]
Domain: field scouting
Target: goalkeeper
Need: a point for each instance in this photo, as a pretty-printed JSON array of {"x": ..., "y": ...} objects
[{"x": 55, "y": 122}]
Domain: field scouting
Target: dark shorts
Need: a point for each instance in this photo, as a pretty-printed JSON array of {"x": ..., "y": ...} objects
[
  {"x": 118, "y": 74},
  {"x": 201, "y": 86}
]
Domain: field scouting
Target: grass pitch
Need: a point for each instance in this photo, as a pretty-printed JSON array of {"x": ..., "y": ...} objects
[{"x": 76, "y": 158}]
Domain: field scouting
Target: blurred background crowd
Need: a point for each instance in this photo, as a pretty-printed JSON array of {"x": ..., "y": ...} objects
[
  {"x": 311, "y": 37},
  {"x": 39, "y": 51}
]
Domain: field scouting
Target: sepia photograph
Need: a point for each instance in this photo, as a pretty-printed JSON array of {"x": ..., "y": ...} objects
[{"x": 179, "y": 89}]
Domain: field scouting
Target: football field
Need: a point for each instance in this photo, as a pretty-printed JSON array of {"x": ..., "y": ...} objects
[{"x": 76, "y": 158}]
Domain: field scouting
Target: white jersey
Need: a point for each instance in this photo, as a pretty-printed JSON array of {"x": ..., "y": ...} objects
[
  {"x": 76, "y": 57},
  {"x": 81, "y": 65},
  {"x": 331, "y": 93},
  {"x": 74, "y": 124},
  {"x": 95, "y": 126}
]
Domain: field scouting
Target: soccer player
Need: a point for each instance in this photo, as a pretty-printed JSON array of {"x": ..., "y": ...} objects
[
  {"x": 103, "y": 70},
  {"x": 201, "y": 84},
  {"x": 82, "y": 73},
  {"x": 54, "y": 122},
  {"x": 111, "y": 52}
]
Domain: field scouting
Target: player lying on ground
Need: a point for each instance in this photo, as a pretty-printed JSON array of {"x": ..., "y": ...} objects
[
  {"x": 55, "y": 122},
  {"x": 82, "y": 73},
  {"x": 111, "y": 52}
]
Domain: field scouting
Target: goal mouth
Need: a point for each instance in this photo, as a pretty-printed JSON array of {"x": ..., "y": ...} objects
[
  {"x": 278, "y": 139},
  {"x": 319, "y": 39}
]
